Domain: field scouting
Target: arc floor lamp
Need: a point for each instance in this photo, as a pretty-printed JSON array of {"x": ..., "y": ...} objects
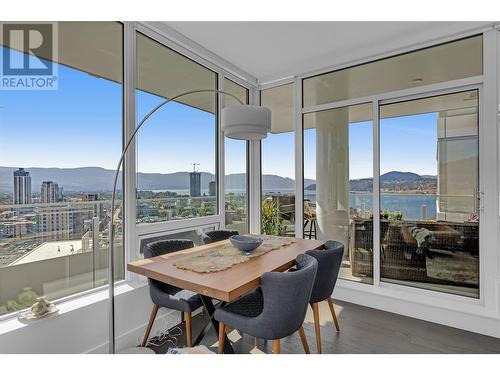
[{"x": 247, "y": 122}]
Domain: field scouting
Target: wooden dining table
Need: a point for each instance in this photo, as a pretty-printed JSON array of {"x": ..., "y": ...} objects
[{"x": 226, "y": 285}]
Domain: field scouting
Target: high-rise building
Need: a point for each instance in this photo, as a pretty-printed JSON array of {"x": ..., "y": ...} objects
[
  {"x": 49, "y": 192},
  {"x": 211, "y": 188},
  {"x": 195, "y": 184},
  {"x": 22, "y": 187}
]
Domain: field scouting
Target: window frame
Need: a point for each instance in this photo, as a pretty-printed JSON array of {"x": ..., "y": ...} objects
[
  {"x": 486, "y": 84},
  {"x": 126, "y": 51},
  {"x": 143, "y": 229},
  {"x": 132, "y": 233}
]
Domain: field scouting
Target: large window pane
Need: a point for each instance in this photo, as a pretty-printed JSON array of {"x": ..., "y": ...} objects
[
  {"x": 176, "y": 148},
  {"x": 338, "y": 184},
  {"x": 58, "y": 151},
  {"x": 278, "y": 163},
  {"x": 235, "y": 165},
  {"x": 429, "y": 187},
  {"x": 445, "y": 62}
]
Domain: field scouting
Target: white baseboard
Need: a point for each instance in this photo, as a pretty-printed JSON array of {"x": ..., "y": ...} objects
[{"x": 485, "y": 325}]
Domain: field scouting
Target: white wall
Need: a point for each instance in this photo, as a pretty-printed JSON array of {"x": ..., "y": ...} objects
[{"x": 81, "y": 326}]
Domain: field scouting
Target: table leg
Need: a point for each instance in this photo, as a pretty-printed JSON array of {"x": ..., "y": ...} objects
[{"x": 210, "y": 308}]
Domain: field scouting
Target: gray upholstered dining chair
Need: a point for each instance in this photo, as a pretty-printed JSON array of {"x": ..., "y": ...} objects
[
  {"x": 274, "y": 310},
  {"x": 218, "y": 235},
  {"x": 164, "y": 295},
  {"x": 329, "y": 262}
]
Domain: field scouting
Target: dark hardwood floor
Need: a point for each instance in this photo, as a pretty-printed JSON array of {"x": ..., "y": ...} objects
[{"x": 362, "y": 331}]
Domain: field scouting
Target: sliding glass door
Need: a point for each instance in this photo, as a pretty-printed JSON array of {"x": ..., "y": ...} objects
[
  {"x": 397, "y": 180},
  {"x": 429, "y": 184}
]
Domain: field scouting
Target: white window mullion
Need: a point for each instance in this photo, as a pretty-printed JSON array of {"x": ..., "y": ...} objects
[
  {"x": 129, "y": 165},
  {"x": 489, "y": 257},
  {"x": 254, "y": 175},
  {"x": 220, "y": 167},
  {"x": 376, "y": 193},
  {"x": 299, "y": 160}
]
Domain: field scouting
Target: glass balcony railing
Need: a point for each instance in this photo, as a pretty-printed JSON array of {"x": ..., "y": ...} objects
[{"x": 55, "y": 250}]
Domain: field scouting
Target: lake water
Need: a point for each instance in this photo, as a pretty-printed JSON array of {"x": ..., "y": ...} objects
[{"x": 410, "y": 205}]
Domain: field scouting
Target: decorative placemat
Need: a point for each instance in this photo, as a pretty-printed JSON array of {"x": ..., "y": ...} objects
[{"x": 226, "y": 256}]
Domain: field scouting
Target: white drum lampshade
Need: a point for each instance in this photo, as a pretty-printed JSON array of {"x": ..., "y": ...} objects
[{"x": 248, "y": 122}]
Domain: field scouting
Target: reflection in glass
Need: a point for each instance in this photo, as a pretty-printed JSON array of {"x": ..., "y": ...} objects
[
  {"x": 429, "y": 185},
  {"x": 338, "y": 184}
]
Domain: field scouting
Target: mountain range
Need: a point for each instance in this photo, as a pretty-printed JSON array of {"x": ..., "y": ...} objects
[
  {"x": 389, "y": 180},
  {"x": 95, "y": 179}
]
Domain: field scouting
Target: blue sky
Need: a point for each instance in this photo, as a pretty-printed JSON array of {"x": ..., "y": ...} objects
[
  {"x": 77, "y": 125},
  {"x": 80, "y": 125},
  {"x": 407, "y": 143}
]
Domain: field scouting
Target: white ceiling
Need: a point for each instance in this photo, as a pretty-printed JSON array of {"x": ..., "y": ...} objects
[{"x": 274, "y": 50}]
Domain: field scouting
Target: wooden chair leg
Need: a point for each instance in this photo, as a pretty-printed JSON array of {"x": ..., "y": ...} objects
[
  {"x": 150, "y": 324},
  {"x": 222, "y": 329},
  {"x": 189, "y": 334},
  {"x": 332, "y": 309},
  {"x": 276, "y": 347},
  {"x": 304, "y": 340},
  {"x": 315, "y": 308}
]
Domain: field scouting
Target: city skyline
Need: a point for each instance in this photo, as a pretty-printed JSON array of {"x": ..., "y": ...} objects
[{"x": 51, "y": 191}]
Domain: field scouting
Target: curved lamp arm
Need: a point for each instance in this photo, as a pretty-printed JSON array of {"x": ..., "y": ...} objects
[{"x": 111, "y": 271}]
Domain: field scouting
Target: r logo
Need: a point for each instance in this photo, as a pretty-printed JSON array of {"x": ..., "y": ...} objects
[{"x": 35, "y": 43}]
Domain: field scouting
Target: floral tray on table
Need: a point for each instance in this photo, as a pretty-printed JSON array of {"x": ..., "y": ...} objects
[{"x": 226, "y": 256}]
